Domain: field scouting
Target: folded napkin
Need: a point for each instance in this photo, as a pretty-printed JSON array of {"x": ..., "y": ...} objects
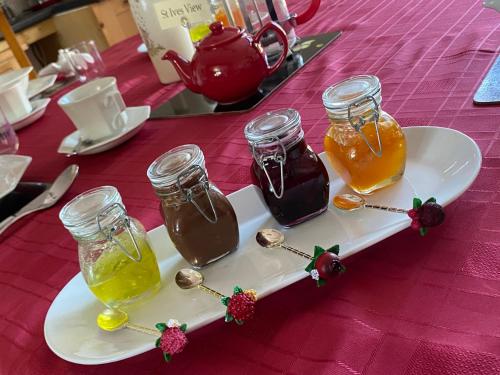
[{"x": 68, "y": 62}]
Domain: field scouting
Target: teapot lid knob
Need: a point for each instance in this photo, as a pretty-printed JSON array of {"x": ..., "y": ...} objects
[{"x": 216, "y": 27}]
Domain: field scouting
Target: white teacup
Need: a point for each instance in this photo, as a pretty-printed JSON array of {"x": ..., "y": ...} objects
[
  {"x": 96, "y": 108},
  {"x": 14, "y": 100}
]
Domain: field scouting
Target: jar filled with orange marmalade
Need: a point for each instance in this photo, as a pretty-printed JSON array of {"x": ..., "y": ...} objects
[{"x": 365, "y": 145}]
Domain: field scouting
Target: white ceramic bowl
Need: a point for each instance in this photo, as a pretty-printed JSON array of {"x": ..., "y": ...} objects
[{"x": 14, "y": 100}]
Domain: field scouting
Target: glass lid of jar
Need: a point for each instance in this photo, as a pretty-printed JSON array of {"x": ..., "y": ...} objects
[
  {"x": 355, "y": 92},
  {"x": 165, "y": 170},
  {"x": 272, "y": 125},
  {"x": 79, "y": 215}
]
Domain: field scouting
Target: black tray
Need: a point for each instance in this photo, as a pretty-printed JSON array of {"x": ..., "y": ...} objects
[
  {"x": 24, "y": 193},
  {"x": 187, "y": 103}
]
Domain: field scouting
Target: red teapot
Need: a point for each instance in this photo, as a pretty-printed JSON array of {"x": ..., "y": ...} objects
[{"x": 229, "y": 64}]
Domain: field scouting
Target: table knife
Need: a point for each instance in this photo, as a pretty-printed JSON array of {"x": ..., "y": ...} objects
[{"x": 47, "y": 199}]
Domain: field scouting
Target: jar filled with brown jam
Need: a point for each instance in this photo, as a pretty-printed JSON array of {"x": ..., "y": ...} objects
[{"x": 200, "y": 220}]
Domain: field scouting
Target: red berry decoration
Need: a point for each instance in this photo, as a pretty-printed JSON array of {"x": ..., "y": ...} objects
[
  {"x": 413, "y": 213},
  {"x": 425, "y": 215},
  {"x": 431, "y": 214},
  {"x": 415, "y": 224},
  {"x": 325, "y": 264},
  {"x": 241, "y": 306},
  {"x": 173, "y": 338}
]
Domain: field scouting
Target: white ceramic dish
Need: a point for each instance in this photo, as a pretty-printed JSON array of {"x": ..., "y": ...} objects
[
  {"x": 136, "y": 117},
  {"x": 39, "y": 85},
  {"x": 96, "y": 108},
  {"x": 39, "y": 108},
  {"x": 14, "y": 100},
  {"x": 13, "y": 78},
  {"x": 12, "y": 168},
  {"x": 442, "y": 163}
]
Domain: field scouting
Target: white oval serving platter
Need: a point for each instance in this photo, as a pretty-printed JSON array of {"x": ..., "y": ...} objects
[{"x": 441, "y": 163}]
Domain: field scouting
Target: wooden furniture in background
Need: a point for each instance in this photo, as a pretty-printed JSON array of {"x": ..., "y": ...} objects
[
  {"x": 30, "y": 35},
  {"x": 115, "y": 20},
  {"x": 14, "y": 44},
  {"x": 107, "y": 22},
  {"x": 77, "y": 25}
]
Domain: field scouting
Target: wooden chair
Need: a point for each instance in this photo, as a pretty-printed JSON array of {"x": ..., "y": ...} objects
[{"x": 10, "y": 38}]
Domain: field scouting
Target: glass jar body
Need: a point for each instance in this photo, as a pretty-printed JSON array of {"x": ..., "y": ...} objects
[
  {"x": 115, "y": 279},
  {"x": 306, "y": 185},
  {"x": 197, "y": 239},
  {"x": 353, "y": 160},
  {"x": 227, "y": 12}
]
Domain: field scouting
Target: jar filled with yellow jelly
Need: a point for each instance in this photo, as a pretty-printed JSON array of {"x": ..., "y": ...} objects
[
  {"x": 364, "y": 144},
  {"x": 116, "y": 260}
]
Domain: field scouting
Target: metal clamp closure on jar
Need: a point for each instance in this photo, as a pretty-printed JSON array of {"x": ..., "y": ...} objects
[
  {"x": 109, "y": 233},
  {"x": 357, "y": 122},
  {"x": 189, "y": 193},
  {"x": 264, "y": 160}
]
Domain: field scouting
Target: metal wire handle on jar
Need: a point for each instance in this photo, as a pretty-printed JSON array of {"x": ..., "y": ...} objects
[
  {"x": 263, "y": 160},
  {"x": 188, "y": 193},
  {"x": 361, "y": 122},
  {"x": 109, "y": 235}
]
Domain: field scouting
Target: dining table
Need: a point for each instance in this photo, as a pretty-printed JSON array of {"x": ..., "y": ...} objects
[{"x": 406, "y": 305}]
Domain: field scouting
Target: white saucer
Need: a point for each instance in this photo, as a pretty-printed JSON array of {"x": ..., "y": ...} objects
[
  {"x": 39, "y": 85},
  {"x": 39, "y": 107},
  {"x": 136, "y": 119},
  {"x": 12, "y": 168}
]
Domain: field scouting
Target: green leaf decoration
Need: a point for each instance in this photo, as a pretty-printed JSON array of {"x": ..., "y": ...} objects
[
  {"x": 237, "y": 290},
  {"x": 318, "y": 250},
  {"x": 334, "y": 249},
  {"x": 225, "y": 300},
  {"x": 167, "y": 357},
  {"x": 310, "y": 266},
  {"x": 431, "y": 200},
  {"x": 417, "y": 203},
  {"x": 157, "y": 344},
  {"x": 320, "y": 282},
  {"x": 161, "y": 327},
  {"x": 228, "y": 318},
  {"x": 423, "y": 231},
  {"x": 183, "y": 327}
]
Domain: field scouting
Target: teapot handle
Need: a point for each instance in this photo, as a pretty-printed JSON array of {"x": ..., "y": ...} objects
[
  {"x": 308, "y": 13},
  {"x": 284, "y": 40}
]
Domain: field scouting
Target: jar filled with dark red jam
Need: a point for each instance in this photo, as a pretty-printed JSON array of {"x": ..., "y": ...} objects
[
  {"x": 293, "y": 179},
  {"x": 200, "y": 220}
]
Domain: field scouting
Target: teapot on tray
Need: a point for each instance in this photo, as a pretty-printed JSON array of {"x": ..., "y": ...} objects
[{"x": 229, "y": 64}]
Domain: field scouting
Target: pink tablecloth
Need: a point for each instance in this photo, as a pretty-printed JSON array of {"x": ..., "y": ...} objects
[{"x": 407, "y": 305}]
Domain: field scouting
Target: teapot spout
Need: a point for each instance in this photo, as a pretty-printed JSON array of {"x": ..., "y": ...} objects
[{"x": 183, "y": 68}]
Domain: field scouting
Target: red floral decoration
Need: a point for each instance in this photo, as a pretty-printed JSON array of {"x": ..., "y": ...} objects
[
  {"x": 173, "y": 338},
  {"x": 426, "y": 215},
  {"x": 241, "y": 306}
]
